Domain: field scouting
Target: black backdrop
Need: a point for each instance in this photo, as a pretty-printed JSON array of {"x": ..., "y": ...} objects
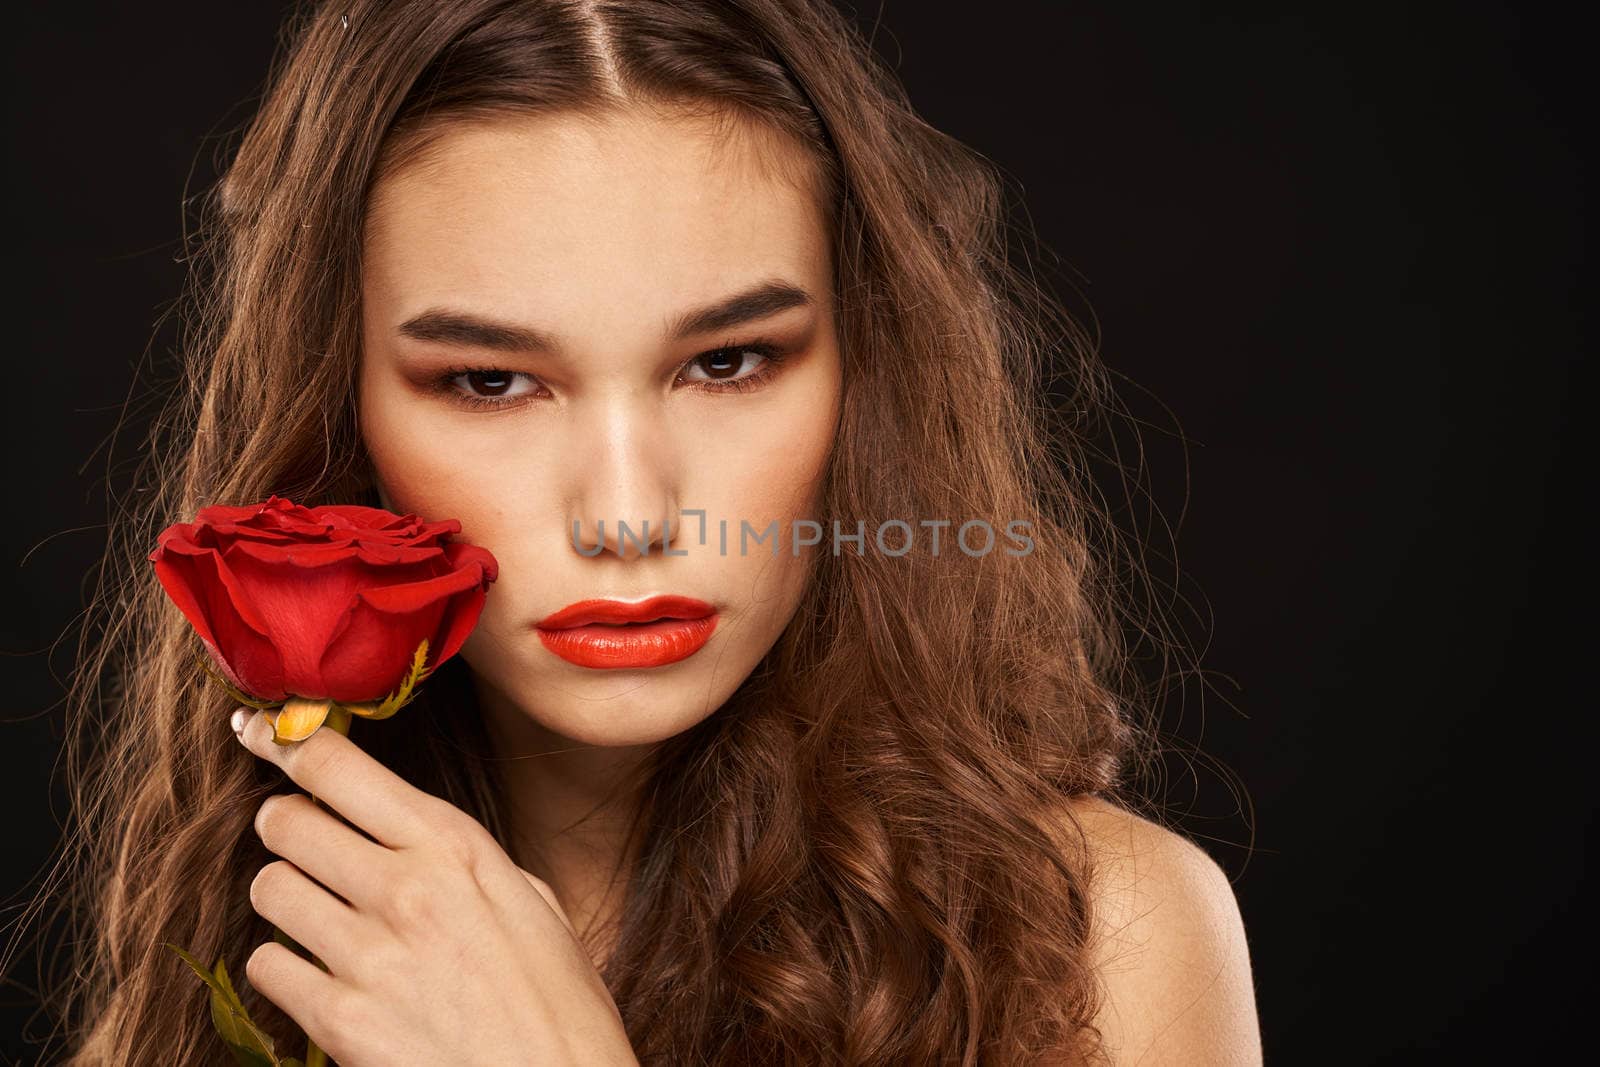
[{"x": 1344, "y": 249}]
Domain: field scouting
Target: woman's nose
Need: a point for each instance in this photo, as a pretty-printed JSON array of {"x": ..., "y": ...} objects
[
  {"x": 626, "y": 498},
  {"x": 626, "y": 538}
]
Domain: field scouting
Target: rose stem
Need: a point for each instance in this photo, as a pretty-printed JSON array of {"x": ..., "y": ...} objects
[{"x": 338, "y": 719}]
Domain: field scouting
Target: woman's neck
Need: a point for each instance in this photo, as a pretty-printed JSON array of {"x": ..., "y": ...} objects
[{"x": 564, "y": 828}]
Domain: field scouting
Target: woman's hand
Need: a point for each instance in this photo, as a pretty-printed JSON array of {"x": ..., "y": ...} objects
[{"x": 442, "y": 951}]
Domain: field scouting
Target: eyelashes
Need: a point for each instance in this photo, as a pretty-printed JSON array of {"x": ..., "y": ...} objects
[{"x": 770, "y": 353}]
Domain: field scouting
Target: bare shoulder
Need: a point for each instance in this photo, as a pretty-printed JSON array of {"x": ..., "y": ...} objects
[{"x": 1170, "y": 948}]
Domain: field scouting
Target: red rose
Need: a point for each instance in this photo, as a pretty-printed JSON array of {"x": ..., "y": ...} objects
[{"x": 326, "y": 603}]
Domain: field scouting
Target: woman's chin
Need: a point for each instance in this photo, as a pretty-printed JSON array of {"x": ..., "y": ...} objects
[{"x": 618, "y": 708}]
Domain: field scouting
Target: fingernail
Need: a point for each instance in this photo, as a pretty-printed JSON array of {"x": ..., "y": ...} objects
[{"x": 240, "y": 717}]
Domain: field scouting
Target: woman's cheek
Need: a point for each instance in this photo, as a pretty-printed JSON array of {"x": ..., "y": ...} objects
[
  {"x": 429, "y": 465},
  {"x": 788, "y": 449}
]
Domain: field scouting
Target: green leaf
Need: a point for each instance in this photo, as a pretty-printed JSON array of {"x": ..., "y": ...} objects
[
  {"x": 246, "y": 1057},
  {"x": 251, "y": 1047},
  {"x": 221, "y": 974}
]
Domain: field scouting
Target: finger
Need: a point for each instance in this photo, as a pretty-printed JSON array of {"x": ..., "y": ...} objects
[
  {"x": 283, "y": 895},
  {"x": 308, "y": 994},
  {"x": 293, "y": 826},
  {"x": 335, "y": 770}
]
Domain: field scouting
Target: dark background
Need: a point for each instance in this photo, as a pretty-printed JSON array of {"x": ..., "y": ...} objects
[{"x": 1343, "y": 248}]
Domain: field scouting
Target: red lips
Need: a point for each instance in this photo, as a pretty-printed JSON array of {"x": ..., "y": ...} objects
[{"x": 614, "y": 634}]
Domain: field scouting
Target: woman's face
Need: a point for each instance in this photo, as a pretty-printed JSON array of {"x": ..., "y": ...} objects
[{"x": 587, "y": 273}]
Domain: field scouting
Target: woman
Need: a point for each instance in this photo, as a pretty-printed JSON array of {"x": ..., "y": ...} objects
[{"x": 553, "y": 267}]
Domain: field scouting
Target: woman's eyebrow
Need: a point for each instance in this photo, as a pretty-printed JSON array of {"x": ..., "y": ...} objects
[
  {"x": 759, "y": 302},
  {"x": 459, "y": 328}
]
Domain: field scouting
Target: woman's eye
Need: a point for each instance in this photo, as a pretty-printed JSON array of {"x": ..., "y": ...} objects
[
  {"x": 727, "y": 368},
  {"x": 733, "y": 366},
  {"x": 485, "y": 386}
]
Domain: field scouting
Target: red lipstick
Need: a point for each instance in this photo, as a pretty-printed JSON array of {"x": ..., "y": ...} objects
[{"x": 615, "y": 634}]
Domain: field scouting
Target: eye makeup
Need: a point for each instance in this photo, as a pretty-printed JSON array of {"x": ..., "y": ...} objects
[{"x": 771, "y": 354}]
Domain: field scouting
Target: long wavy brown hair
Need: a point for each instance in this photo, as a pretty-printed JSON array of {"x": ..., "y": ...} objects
[{"x": 866, "y": 855}]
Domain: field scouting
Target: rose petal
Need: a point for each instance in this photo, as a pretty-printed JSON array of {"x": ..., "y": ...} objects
[
  {"x": 303, "y": 599},
  {"x": 383, "y": 628},
  {"x": 383, "y": 555},
  {"x": 463, "y": 557},
  {"x": 220, "y": 609}
]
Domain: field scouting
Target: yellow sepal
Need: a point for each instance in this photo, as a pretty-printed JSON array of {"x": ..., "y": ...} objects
[{"x": 298, "y": 719}]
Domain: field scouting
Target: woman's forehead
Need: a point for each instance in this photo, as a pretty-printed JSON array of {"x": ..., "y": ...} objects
[
  {"x": 559, "y": 205},
  {"x": 568, "y": 161}
]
